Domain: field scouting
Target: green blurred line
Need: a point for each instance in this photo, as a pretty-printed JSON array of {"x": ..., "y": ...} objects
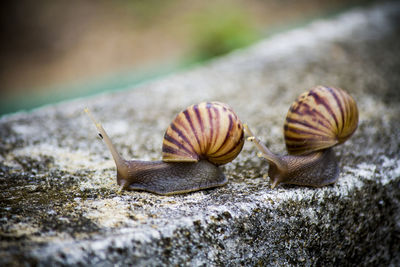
[{"x": 113, "y": 82}]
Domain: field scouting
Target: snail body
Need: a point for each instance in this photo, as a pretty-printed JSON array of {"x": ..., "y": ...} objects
[
  {"x": 171, "y": 178},
  {"x": 198, "y": 140},
  {"x": 318, "y": 120}
]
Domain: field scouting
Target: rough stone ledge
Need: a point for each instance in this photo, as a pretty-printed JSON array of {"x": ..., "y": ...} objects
[{"x": 59, "y": 201}]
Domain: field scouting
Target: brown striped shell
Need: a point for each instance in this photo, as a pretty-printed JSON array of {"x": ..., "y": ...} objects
[
  {"x": 320, "y": 118},
  {"x": 209, "y": 130}
]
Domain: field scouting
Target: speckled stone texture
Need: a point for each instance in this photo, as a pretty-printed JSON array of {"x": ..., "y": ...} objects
[{"x": 59, "y": 199}]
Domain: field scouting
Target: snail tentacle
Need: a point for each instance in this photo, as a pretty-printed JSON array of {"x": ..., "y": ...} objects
[
  {"x": 265, "y": 152},
  {"x": 121, "y": 163}
]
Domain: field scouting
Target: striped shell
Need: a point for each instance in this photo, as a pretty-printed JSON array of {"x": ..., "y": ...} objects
[
  {"x": 320, "y": 118},
  {"x": 209, "y": 130}
]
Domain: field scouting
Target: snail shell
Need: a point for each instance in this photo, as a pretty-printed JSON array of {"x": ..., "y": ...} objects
[
  {"x": 320, "y": 118},
  {"x": 209, "y": 130}
]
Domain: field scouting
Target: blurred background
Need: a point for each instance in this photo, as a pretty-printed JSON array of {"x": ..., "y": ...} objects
[{"x": 56, "y": 50}]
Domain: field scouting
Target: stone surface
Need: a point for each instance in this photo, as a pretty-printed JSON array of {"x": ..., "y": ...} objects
[{"x": 59, "y": 199}]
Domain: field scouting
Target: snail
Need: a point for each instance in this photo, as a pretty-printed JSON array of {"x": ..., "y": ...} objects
[
  {"x": 318, "y": 120},
  {"x": 198, "y": 140}
]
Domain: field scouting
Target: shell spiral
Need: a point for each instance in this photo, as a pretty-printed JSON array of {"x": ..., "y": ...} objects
[
  {"x": 209, "y": 130},
  {"x": 320, "y": 118}
]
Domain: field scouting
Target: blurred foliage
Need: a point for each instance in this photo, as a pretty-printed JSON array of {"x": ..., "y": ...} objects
[
  {"x": 218, "y": 30},
  {"x": 55, "y": 50},
  {"x": 145, "y": 13}
]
